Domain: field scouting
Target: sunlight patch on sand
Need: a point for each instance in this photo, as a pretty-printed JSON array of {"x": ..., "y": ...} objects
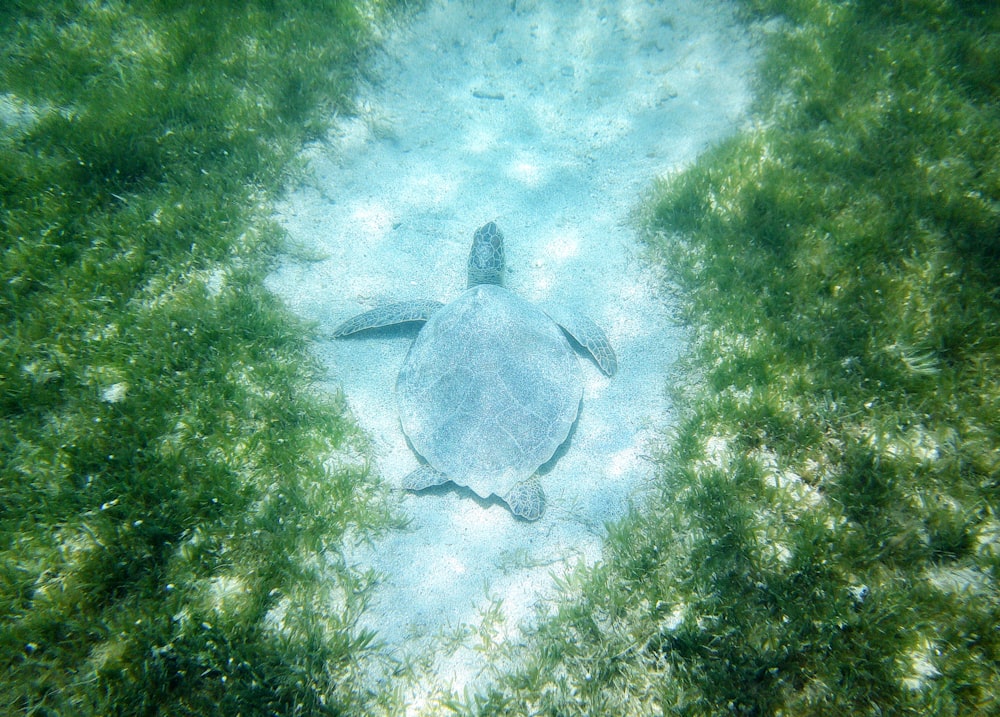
[{"x": 372, "y": 219}]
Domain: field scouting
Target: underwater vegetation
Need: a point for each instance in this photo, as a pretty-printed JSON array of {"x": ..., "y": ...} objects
[
  {"x": 164, "y": 492},
  {"x": 825, "y": 539}
]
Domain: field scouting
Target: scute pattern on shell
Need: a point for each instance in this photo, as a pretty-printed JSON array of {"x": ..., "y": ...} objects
[{"x": 489, "y": 390}]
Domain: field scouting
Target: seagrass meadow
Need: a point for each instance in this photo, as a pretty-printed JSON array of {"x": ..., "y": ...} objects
[
  {"x": 825, "y": 536},
  {"x": 165, "y": 486},
  {"x": 822, "y": 537}
]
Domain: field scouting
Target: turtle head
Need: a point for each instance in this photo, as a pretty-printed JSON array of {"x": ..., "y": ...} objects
[{"x": 486, "y": 260}]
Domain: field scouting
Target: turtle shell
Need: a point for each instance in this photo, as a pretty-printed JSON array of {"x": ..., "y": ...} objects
[{"x": 489, "y": 390}]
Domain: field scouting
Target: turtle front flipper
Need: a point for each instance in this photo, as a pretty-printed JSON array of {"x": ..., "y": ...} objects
[
  {"x": 424, "y": 477},
  {"x": 388, "y": 315},
  {"x": 526, "y": 499},
  {"x": 582, "y": 329}
]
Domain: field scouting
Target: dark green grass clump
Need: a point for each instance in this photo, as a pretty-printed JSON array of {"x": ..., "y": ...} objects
[
  {"x": 164, "y": 493},
  {"x": 825, "y": 540}
]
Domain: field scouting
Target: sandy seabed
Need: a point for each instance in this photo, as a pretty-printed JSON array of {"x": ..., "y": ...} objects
[{"x": 553, "y": 119}]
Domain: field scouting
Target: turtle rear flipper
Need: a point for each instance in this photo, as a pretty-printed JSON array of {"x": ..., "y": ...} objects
[
  {"x": 424, "y": 477},
  {"x": 388, "y": 315},
  {"x": 582, "y": 329},
  {"x": 526, "y": 499}
]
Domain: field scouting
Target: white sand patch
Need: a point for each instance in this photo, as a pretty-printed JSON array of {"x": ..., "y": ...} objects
[{"x": 551, "y": 118}]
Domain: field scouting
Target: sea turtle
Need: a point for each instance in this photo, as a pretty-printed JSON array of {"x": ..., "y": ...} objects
[{"x": 490, "y": 387}]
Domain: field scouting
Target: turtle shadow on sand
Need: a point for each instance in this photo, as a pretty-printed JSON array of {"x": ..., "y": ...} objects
[
  {"x": 490, "y": 390},
  {"x": 441, "y": 489}
]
